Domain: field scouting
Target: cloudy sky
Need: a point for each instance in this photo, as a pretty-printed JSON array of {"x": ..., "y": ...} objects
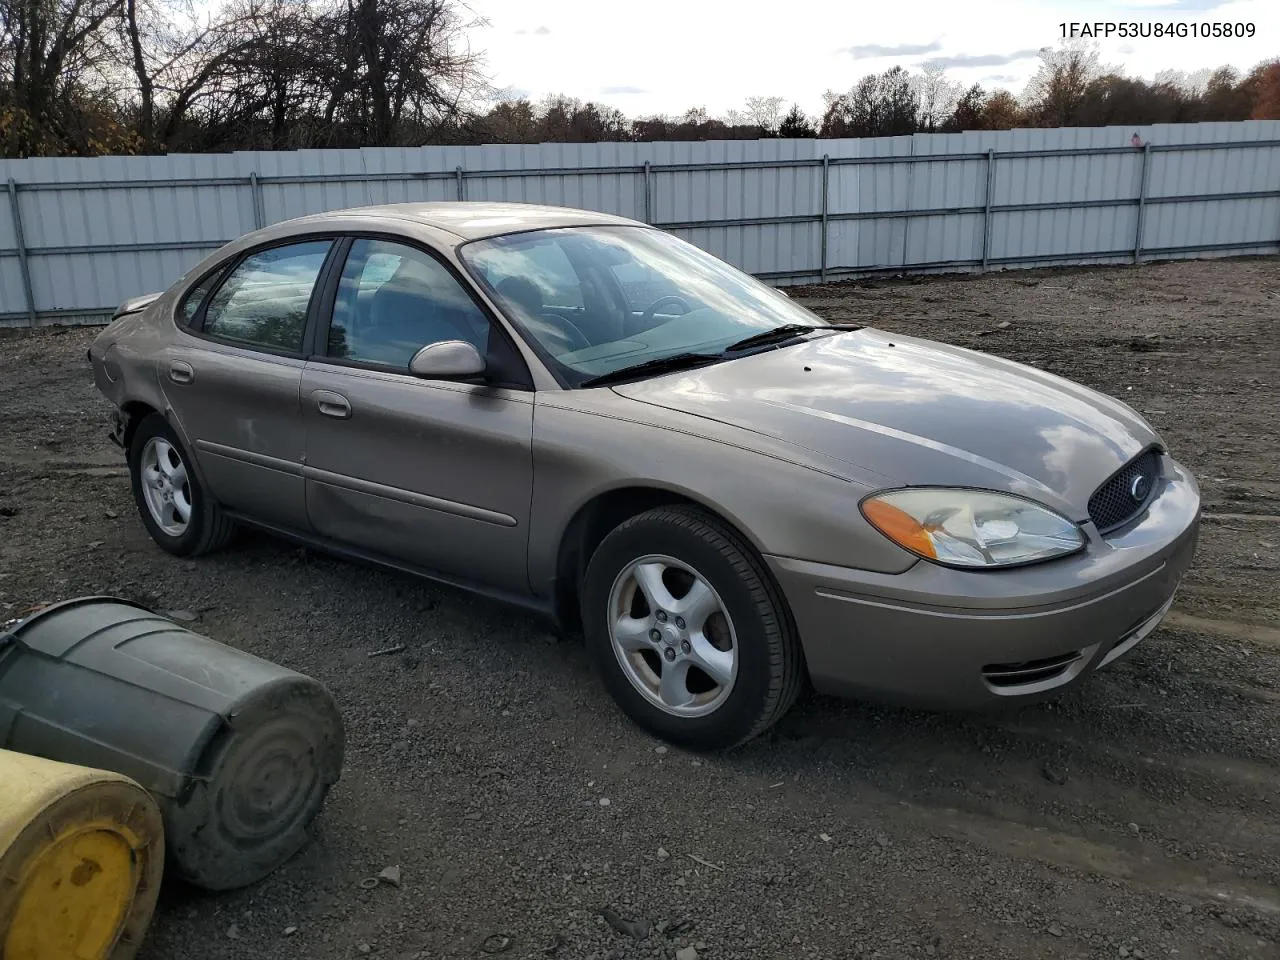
[{"x": 664, "y": 56}]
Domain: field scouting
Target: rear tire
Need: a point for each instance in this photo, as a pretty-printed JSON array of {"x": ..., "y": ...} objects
[
  {"x": 754, "y": 664},
  {"x": 165, "y": 487}
]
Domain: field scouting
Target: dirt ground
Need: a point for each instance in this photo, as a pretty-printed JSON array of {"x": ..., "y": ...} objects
[{"x": 1136, "y": 817}]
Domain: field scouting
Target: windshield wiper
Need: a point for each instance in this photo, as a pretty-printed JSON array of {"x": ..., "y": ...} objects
[
  {"x": 677, "y": 361},
  {"x": 785, "y": 332}
]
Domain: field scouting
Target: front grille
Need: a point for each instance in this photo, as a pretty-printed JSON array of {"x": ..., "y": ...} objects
[
  {"x": 1025, "y": 672},
  {"x": 1113, "y": 504}
]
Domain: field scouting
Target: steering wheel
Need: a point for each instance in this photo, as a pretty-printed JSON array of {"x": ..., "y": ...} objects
[
  {"x": 647, "y": 316},
  {"x": 567, "y": 330}
]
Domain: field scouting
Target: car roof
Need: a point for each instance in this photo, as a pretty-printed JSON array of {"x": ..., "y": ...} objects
[{"x": 468, "y": 219}]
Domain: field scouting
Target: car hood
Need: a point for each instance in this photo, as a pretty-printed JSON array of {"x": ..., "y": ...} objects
[{"x": 918, "y": 413}]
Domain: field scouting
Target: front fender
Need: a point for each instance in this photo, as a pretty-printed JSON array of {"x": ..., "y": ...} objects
[{"x": 783, "y": 508}]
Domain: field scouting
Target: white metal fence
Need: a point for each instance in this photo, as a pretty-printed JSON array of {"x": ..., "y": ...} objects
[{"x": 77, "y": 236}]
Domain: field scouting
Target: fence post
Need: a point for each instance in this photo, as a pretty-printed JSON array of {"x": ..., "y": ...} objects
[
  {"x": 826, "y": 204},
  {"x": 20, "y": 241},
  {"x": 986, "y": 208},
  {"x": 1142, "y": 202},
  {"x": 259, "y": 214},
  {"x": 648, "y": 195},
  {"x": 906, "y": 221},
  {"x": 462, "y": 193}
]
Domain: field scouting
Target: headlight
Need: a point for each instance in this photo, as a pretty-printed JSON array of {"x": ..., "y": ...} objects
[{"x": 971, "y": 528}]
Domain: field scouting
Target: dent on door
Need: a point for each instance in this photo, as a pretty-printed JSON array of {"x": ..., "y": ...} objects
[{"x": 239, "y": 412}]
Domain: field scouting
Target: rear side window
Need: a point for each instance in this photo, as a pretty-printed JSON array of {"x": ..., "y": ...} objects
[
  {"x": 263, "y": 302},
  {"x": 191, "y": 302}
]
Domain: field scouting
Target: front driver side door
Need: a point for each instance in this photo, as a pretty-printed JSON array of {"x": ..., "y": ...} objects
[{"x": 434, "y": 474}]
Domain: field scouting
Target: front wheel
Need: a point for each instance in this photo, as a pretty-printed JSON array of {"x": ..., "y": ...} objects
[{"x": 689, "y": 632}]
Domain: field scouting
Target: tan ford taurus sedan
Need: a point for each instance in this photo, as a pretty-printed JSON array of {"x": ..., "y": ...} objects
[{"x": 585, "y": 415}]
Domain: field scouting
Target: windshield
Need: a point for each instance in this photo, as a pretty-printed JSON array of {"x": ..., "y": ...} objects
[{"x": 597, "y": 299}]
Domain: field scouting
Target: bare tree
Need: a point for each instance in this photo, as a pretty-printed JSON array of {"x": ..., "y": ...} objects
[
  {"x": 764, "y": 112},
  {"x": 297, "y": 73},
  {"x": 879, "y": 105},
  {"x": 180, "y": 59},
  {"x": 407, "y": 62},
  {"x": 1191, "y": 84},
  {"x": 568, "y": 120},
  {"x": 1056, "y": 93},
  {"x": 936, "y": 95},
  {"x": 50, "y": 51}
]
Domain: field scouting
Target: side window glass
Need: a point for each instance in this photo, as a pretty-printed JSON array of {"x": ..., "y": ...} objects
[
  {"x": 393, "y": 300},
  {"x": 191, "y": 303},
  {"x": 263, "y": 303}
]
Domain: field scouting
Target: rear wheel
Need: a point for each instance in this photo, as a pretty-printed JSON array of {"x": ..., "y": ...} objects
[
  {"x": 174, "y": 508},
  {"x": 690, "y": 634}
]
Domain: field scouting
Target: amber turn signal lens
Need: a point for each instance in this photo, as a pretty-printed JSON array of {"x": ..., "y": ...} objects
[{"x": 900, "y": 527}]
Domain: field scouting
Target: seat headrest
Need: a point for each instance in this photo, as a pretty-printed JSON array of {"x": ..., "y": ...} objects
[{"x": 523, "y": 292}]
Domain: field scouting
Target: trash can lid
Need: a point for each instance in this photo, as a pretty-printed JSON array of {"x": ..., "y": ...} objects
[
  {"x": 11, "y": 628},
  {"x": 76, "y": 896}
]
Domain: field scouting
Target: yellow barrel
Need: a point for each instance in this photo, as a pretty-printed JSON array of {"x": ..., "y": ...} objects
[{"x": 81, "y": 854}]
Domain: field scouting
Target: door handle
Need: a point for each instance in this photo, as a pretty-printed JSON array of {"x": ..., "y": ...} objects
[
  {"x": 181, "y": 372},
  {"x": 332, "y": 404}
]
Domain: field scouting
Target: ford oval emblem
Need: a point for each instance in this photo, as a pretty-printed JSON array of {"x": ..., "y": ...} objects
[{"x": 1139, "y": 488}]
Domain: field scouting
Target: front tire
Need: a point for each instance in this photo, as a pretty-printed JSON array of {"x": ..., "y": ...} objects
[
  {"x": 688, "y": 631},
  {"x": 180, "y": 516}
]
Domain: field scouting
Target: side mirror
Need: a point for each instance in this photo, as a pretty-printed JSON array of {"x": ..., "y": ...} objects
[{"x": 447, "y": 360}]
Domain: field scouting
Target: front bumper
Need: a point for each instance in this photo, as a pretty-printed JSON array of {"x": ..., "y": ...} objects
[{"x": 943, "y": 638}]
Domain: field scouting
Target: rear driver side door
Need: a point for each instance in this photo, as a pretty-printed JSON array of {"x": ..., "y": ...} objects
[{"x": 233, "y": 372}]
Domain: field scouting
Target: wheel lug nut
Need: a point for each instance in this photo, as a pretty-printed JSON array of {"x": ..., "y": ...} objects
[
  {"x": 655, "y": 636},
  {"x": 669, "y": 653},
  {"x": 680, "y": 622},
  {"x": 686, "y": 646},
  {"x": 662, "y": 616}
]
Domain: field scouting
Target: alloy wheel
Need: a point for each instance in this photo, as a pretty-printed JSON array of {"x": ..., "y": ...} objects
[
  {"x": 166, "y": 488},
  {"x": 673, "y": 636}
]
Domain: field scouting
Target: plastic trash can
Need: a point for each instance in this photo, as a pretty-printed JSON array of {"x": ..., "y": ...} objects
[
  {"x": 238, "y": 752},
  {"x": 81, "y": 855}
]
